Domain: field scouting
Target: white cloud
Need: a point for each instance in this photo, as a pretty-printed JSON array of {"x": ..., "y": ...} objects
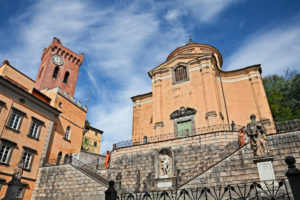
[
  {"x": 275, "y": 49},
  {"x": 121, "y": 43},
  {"x": 173, "y": 14},
  {"x": 205, "y": 10}
]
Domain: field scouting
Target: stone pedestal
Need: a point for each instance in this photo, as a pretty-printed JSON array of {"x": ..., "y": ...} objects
[
  {"x": 165, "y": 183},
  {"x": 14, "y": 191},
  {"x": 265, "y": 168}
]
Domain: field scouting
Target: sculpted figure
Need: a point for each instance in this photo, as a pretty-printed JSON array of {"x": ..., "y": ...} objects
[
  {"x": 241, "y": 135},
  {"x": 257, "y": 135},
  {"x": 165, "y": 164},
  {"x": 18, "y": 171},
  {"x": 107, "y": 160}
]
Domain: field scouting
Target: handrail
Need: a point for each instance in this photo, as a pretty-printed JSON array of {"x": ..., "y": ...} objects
[
  {"x": 271, "y": 128},
  {"x": 181, "y": 134},
  {"x": 85, "y": 168}
]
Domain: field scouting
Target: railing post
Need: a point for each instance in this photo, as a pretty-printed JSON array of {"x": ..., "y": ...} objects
[
  {"x": 111, "y": 193},
  {"x": 233, "y": 126},
  {"x": 293, "y": 175}
]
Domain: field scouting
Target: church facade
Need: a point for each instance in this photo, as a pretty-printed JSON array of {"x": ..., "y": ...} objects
[{"x": 190, "y": 92}]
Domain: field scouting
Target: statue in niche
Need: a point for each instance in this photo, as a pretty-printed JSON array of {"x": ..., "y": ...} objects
[
  {"x": 257, "y": 135},
  {"x": 165, "y": 163}
]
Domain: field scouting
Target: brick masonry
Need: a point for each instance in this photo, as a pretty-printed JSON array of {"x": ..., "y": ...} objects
[{"x": 64, "y": 182}]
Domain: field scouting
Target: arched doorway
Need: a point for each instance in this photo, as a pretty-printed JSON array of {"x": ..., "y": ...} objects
[
  {"x": 66, "y": 158},
  {"x": 58, "y": 158}
]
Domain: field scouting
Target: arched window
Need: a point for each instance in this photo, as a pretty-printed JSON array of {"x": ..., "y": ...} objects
[
  {"x": 66, "y": 159},
  {"x": 55, "y": 72},
  {"x": 180, "y": 73},
  {"x": 66, "y": 77},
  {"x": 41, "y": 72},
  {"x": 58, "y": 158},
  {"x": 68, "y": 132}
]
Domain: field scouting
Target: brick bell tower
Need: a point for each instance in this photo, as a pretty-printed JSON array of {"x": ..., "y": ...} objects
[{"x": 59, "y": 68}]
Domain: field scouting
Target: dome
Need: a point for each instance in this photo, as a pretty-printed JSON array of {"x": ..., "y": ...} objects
[{"x": 195, "y": 48}]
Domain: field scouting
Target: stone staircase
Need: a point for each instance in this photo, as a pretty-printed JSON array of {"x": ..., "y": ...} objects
[
  {"x": 238, "y": 167},
  {"x": 89, "y": 171},
  {"x": 74, "y": 180}
]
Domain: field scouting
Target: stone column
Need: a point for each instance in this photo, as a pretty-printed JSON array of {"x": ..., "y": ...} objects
[
  {"x": 259, "y": 101},
  {"x": 208, "y": 84}
]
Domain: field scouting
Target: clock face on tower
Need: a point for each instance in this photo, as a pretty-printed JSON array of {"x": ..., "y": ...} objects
[{"x": 56, "y": 59}]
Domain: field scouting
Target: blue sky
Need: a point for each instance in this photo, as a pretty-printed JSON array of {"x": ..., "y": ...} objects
[{"x": 122, "y": 40}]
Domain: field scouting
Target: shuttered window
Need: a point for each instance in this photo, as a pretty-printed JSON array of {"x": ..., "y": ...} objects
[{"x": 180, "y": 74}]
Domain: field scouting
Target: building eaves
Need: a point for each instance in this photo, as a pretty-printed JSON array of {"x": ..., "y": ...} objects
[
  {"x": 29, "y": 95},
  {"x": 140, "y": 95},
  {"x": 95, "y": 129}
]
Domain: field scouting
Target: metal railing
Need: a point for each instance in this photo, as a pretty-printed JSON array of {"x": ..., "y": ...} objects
[
  {"x": 267, "y": 190},
  {"x": 89, "y": 170},
  {"x": 271, "y": 128},
  {"x": 178, "y": 134},
  {"x": 284, "y": 126}
]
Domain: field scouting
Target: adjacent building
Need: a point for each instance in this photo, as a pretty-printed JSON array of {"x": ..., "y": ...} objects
[
  {"x": 92, "y": 139},
  {"x": 40, "y": 121}
]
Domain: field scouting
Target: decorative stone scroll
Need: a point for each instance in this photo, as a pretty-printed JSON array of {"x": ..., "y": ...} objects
[{"x": 182, "y": 112}]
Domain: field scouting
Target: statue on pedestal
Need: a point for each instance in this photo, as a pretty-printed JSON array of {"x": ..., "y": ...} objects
[
  {"x": 16, "y": 189},
  {"x": 257, "y": 135},
  {"x": 18, "y": 171}
]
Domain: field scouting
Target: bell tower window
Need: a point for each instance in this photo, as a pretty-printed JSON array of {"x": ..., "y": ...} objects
[
  {"x": 55, "y": 72},
  {"x": 66, "y": 77}
]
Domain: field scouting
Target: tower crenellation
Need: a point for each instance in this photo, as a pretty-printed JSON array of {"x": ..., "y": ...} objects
[{"x": 59, "y": 68}]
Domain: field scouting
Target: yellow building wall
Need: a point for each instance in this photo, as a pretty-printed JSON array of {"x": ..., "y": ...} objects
[{"x": 93, "y": 136}]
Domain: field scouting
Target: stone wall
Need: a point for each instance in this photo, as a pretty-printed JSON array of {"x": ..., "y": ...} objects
[
  {"x": 239, "y": 167},
  {"x": 66, "y": 183},
  {"x": 93, "y": 159},
  {"x": 136, "y": 168}
]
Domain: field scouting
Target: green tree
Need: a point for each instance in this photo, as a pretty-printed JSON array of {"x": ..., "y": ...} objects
[
  {"x": 283, "y": 93},
  {"x": 86, "y": 144}
]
